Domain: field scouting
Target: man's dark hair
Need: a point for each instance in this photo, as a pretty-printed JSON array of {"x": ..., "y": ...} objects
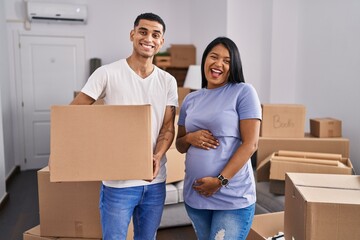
[
  {"x": 150, "y": 17},
  {"x": 236, "y": 72}
]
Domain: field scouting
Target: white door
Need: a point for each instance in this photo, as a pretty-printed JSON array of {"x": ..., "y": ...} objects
[{"x": 52, "y": 68}]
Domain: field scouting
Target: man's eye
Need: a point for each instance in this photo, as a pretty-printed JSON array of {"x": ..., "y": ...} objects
[{"x": 156, "y": 36}]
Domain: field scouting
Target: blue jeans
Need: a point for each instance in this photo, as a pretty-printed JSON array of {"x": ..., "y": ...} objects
[
  {"x": 144, "y": 203},
  {"x": 221, "y": 224}
]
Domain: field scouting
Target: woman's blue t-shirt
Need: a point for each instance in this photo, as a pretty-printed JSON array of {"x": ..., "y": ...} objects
[{"x": 219, "y": 110}]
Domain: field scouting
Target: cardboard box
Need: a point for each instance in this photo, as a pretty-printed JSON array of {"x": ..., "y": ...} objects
[
  {"x": 162, "y": 61},
  {"x": 182, "y": 55},
  {"x": 265, "y": 226},
  {"x": 283, "y": 120},
  {"x": 274, "y": 167},
  {"x": 34, "y": 234},
  {"x": 267, "y": 146},
  {"x": 102, "y": 142},
  {"x": 68, "y": 209},
  {"x": 175, "y": 166},
  {"x": 182, "y": 92},
  {"x": 325, "y": 127},
  {"x": 322, "y": 206}
]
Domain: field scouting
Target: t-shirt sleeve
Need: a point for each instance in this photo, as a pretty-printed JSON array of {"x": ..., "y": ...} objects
[
  {"x": 182, "y": 113},
  {"x": 172, "y": 99},
  {"x": 249, "y": 104},
  {"x": 96, "y": 84}
]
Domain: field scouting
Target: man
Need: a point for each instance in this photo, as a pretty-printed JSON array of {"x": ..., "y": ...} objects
[{"x": 136, "y": 81}]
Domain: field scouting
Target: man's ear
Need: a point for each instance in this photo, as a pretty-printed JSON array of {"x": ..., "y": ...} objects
[
  {"x": 132, "y": 32},
  {"x": 162, "y": 42}
]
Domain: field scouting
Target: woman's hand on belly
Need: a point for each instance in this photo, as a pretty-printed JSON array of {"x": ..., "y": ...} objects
[
  {"x": 207, "y": 186},
  {"x": 203, "y": 139}
]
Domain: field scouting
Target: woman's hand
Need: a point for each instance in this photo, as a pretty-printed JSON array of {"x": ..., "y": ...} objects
[
  {"x": 207, "y": 186},
  {"x": 202, "y": 139}
]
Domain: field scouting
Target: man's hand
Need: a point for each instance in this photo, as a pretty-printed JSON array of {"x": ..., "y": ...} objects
[{"x": 156, "y": 165}]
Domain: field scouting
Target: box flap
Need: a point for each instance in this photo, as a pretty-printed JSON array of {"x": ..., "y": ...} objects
[{"x": 326, "y": 180}]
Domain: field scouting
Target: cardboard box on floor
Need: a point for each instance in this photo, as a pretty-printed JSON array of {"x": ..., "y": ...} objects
[
  {"x": 325, "y": 127},
  {"x": 267, "y": 225},
  {"x": 283, "y": 120},
  {"x": 268, "y": 145},
  {"x": 322, "y": 206},
  {"x": 34, "y": 234},
  {"x": 101, "y": 142},
  {"x": 68, "y": 209},
  {"x": 175, "y": 166},
  {"x": 274, "y": 166}
]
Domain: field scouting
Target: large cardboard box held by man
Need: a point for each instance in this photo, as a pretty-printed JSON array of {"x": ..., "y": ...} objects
[
  {"x": 100, "y": 142},
  {"x": 283, "y": 120},
  {"x": 322, "y": 206}
]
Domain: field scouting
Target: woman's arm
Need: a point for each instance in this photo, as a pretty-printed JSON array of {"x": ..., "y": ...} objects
[
  {"x": 201, "y": 139},
  {"x": 249, "y": 131}
]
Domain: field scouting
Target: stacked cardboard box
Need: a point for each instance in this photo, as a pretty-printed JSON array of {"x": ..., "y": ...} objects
[
  {"x": 68, "y": 210},
  {"x": 282, "y": 129},
  {"x": 325, "y": 127}
]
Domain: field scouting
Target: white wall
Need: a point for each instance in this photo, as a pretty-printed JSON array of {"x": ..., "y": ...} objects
[
  {"x": 293, "y": 51},
  {"x": 249, "y": 25},
  {"x": 3, "y": 77},
  {"x": 328, "y": 72},
  {"x": 310, "y": 56}
]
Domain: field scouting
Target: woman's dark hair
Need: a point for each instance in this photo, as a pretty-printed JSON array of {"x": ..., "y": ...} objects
[
  {"x": 150, "y": 17},
  {"x": 236, "y": 73}
]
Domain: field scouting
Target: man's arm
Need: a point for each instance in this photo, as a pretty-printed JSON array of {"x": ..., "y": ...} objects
[
  {"x": 165, "y": 138},
  {"x": 82, "y": 99}
]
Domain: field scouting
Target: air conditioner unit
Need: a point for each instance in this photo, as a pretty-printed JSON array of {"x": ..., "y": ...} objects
[{"x": 56, "y": 12}]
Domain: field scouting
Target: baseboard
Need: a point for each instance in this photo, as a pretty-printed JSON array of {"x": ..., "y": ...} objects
[
  {"x": 10, "y": 177},
  {"x": 3, "y": 201}
]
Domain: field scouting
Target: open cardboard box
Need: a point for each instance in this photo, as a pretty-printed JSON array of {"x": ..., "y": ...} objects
[
  {"x": 100, "y": 142},
  {"x": 275, "y": 166},
  {"x": 322, "y": 206},
  {"x": 268, "y": 145},
  {"x": 266, "y": 225}
]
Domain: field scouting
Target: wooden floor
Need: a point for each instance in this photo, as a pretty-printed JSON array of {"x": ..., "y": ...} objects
[{"x": 21, "y": 211}]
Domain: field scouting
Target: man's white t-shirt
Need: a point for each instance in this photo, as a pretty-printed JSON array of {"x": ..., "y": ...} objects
[{"x": 118, "y": 84}]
